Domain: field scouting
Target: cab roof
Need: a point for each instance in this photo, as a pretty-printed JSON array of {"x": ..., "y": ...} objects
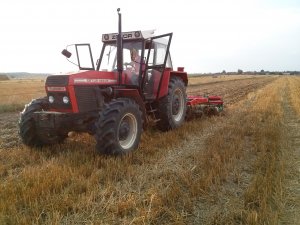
[{"x": 131, "y": 35}]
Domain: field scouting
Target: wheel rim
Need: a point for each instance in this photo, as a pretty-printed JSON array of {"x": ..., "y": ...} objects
[
  {"x": 127, "y": 131},
  {"x": 177, "y": 105}
]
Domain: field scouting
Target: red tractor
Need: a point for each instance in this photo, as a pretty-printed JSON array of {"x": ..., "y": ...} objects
[{"x": 133, "y": 83}]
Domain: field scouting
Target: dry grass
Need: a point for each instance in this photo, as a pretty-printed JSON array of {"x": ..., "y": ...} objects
[
  {"x": 263, "y": 197},
  {"x": 244, "y": 158},
  {"x": 294, "y": 83},
  {"x": 14, "y": 94},
  {"x": 291, "y": 192},
  {"x": 220, "y": 170},
  {"x": 20, "y": 91}
]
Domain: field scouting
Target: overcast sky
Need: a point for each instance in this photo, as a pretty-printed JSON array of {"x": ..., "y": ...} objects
[{"x": 208, "y": 36}]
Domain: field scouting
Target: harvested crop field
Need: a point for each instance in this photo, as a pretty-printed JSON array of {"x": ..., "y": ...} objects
[{"x": 238, "y": 168}]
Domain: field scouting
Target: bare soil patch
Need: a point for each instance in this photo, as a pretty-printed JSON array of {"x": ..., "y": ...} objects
[{"x": 9, "y": 136}]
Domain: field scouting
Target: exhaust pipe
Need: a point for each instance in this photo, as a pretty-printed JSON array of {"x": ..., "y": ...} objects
[{"x": 120, "y": 48}]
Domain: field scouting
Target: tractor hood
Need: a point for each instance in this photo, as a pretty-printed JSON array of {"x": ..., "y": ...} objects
[
  {"x": 77, "y": 92},
  {"x": 92, "y": 77},
  {"x": 89, "y": 77}
]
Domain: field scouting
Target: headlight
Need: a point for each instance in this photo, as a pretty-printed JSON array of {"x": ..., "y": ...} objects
[
  {"x": 66, "y": 100},
  {"x": 51, "y": 99}
]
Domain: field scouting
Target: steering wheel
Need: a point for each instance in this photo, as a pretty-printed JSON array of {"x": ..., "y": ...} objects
[{"x": 127, "y": 66}]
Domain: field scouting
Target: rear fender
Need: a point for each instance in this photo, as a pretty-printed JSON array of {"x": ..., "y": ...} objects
[
  {"x": 166, "y": 79},
  {"x": 133, "y": 94}
]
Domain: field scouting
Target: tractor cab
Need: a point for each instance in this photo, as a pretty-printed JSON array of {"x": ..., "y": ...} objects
[{"x": 144, "y": 58}]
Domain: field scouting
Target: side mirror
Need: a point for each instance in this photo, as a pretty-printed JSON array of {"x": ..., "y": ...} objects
[{"x": 66, "y": 53}]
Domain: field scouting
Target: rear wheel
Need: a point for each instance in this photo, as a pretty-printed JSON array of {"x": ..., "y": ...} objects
[
  {"x": 172, "y": 108},
  {"x": 28, "y": 131},
  {"x": 119, "y": 128}
]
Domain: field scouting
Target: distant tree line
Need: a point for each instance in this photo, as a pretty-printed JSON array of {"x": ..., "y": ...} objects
[{"x": 262, "y": 72}]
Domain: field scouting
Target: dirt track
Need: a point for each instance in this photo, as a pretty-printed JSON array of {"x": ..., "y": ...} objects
[{"x": 9, "y": 136}]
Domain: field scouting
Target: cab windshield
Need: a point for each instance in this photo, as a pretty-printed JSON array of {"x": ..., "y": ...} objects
[{"x": 109, "y": 57}]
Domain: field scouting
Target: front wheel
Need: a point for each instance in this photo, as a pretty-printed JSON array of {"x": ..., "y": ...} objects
[
  {"x": 30, "y": 134},
  {"x": 119, "y": 128}
]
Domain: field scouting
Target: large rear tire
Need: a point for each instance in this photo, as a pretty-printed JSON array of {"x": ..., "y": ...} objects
[
  {"x": 172, "y": 108},
  {"x": 119, "y": 128},
  {"x": 28, "y": 131}
]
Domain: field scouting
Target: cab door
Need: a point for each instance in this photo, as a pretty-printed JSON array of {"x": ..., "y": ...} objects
[
  {"x": 84, "y": 57},
  {"x": 157, "y": 56}
]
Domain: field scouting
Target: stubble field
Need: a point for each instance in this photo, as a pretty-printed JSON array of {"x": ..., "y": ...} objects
[{"x": 238, "y": 168}]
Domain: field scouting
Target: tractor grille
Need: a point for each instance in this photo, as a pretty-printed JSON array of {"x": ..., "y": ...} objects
[
  {"x": 57, "y": 80},
  {"x": 86, "y": 98}
]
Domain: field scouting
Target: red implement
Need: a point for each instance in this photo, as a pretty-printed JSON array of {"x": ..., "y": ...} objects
[{"x": 199, "y": 105}]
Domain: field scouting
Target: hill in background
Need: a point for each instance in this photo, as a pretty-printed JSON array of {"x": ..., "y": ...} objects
[{"x": 4, "y": 77}]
